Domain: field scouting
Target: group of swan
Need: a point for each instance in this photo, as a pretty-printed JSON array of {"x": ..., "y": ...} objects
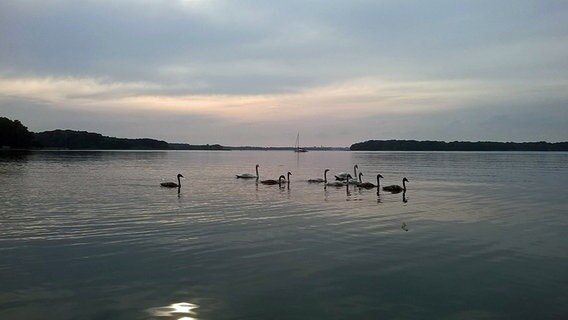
[
  {"x": 344, "y": 178},
  {"x": 341, "y": 179}
]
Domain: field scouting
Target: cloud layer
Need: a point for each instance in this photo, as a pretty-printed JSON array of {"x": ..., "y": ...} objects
[{"x": 254, "y": 72}]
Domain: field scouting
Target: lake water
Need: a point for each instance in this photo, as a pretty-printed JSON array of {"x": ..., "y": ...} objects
[{"x": 92, "y": 235}]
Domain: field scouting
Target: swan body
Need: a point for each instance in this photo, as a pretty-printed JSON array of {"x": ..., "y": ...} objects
[
  {"x": 337, "y": 183},
  {"x": 320, "y": 180},
  {"x": 396, "y": 188},
  {"x": 342, "y": 176},
  {"x": 272, "y": 181},
  {"x": 173, "y": 184},
  {"x": 248, "y": 175},
  {"x": 368, "y": 185}
]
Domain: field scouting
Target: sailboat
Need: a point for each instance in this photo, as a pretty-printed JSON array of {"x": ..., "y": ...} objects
[{"x": 297, "y": 147}]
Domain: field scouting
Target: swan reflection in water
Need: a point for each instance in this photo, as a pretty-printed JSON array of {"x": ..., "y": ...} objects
[{"x": 183, "y": 309}]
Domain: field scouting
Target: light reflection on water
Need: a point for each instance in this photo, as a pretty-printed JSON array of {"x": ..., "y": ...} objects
[
  {"x": 183, "y": 309},
  {"x": 92, "y": 235}
]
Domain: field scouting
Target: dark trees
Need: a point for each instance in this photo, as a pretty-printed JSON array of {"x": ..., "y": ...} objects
[{"x": 14, "y": 134}]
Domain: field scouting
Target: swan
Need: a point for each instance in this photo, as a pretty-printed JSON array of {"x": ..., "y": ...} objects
[
  {"x": 173, "y": 184},
  {"x": 288, "y": 177},
  {"x": 271, "y": 181},
  {"x": 343, "y": 175},
  {"x": 368, "y": 185},
  {"x": 248, "y": 175},
  {"x": 320, "y": 180},
  {"x": 396, "y": 188}
]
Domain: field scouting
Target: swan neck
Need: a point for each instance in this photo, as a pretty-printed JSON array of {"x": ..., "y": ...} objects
[
  {"x": 257, "y": 172},
  {"x": 179, "y": 182},
  {"x": 404, "y": 185},
  {"x": 325, "y": 177}
]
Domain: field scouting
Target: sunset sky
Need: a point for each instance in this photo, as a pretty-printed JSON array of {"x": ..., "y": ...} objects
[{"x": 257, "y": 72}]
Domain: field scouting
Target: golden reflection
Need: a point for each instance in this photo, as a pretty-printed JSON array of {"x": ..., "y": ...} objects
[{"x": 184, "y": 309}]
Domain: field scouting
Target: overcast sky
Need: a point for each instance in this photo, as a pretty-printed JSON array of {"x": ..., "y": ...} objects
[{"x": 256, "y": 72}]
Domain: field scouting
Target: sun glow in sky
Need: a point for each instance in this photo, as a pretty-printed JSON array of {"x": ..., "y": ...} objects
[{"x": 256, "y": 72}]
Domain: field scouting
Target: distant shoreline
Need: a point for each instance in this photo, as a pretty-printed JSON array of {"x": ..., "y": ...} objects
[
  {"x": 14, "y": 136},
  {"x": 464, "y": 146}
]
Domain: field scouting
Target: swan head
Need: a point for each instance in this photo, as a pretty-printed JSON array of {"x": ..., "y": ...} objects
[
  {"x": 257, "y": 166},
  {"x": 282, "y": 177},
  {"x": 405, "y": 180},
  {"x": 355, "y": 167},
  {"x": 326, "y": 171},
  {"x": 380, "y": 176},
  {"x": 180, "y": 175}
]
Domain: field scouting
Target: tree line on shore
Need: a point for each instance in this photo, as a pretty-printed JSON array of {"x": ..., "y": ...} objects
[
  {"x": 14, "y": 135},
  {"x": 414, "y": 145}
]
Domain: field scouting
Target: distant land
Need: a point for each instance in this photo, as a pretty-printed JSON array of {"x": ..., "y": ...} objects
[
  {"x": 75, "y": 140},
  {"x": 14, "y": 135},
  {"x": 413, "y": 145},
  {"x": 82, "y": 140}
]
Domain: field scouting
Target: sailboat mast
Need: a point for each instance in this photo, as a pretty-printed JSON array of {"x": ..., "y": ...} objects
[{"x": 297, "y": 147}]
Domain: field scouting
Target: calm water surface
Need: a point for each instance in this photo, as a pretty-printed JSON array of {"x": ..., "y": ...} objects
[{"x": 91, "y": 235}]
